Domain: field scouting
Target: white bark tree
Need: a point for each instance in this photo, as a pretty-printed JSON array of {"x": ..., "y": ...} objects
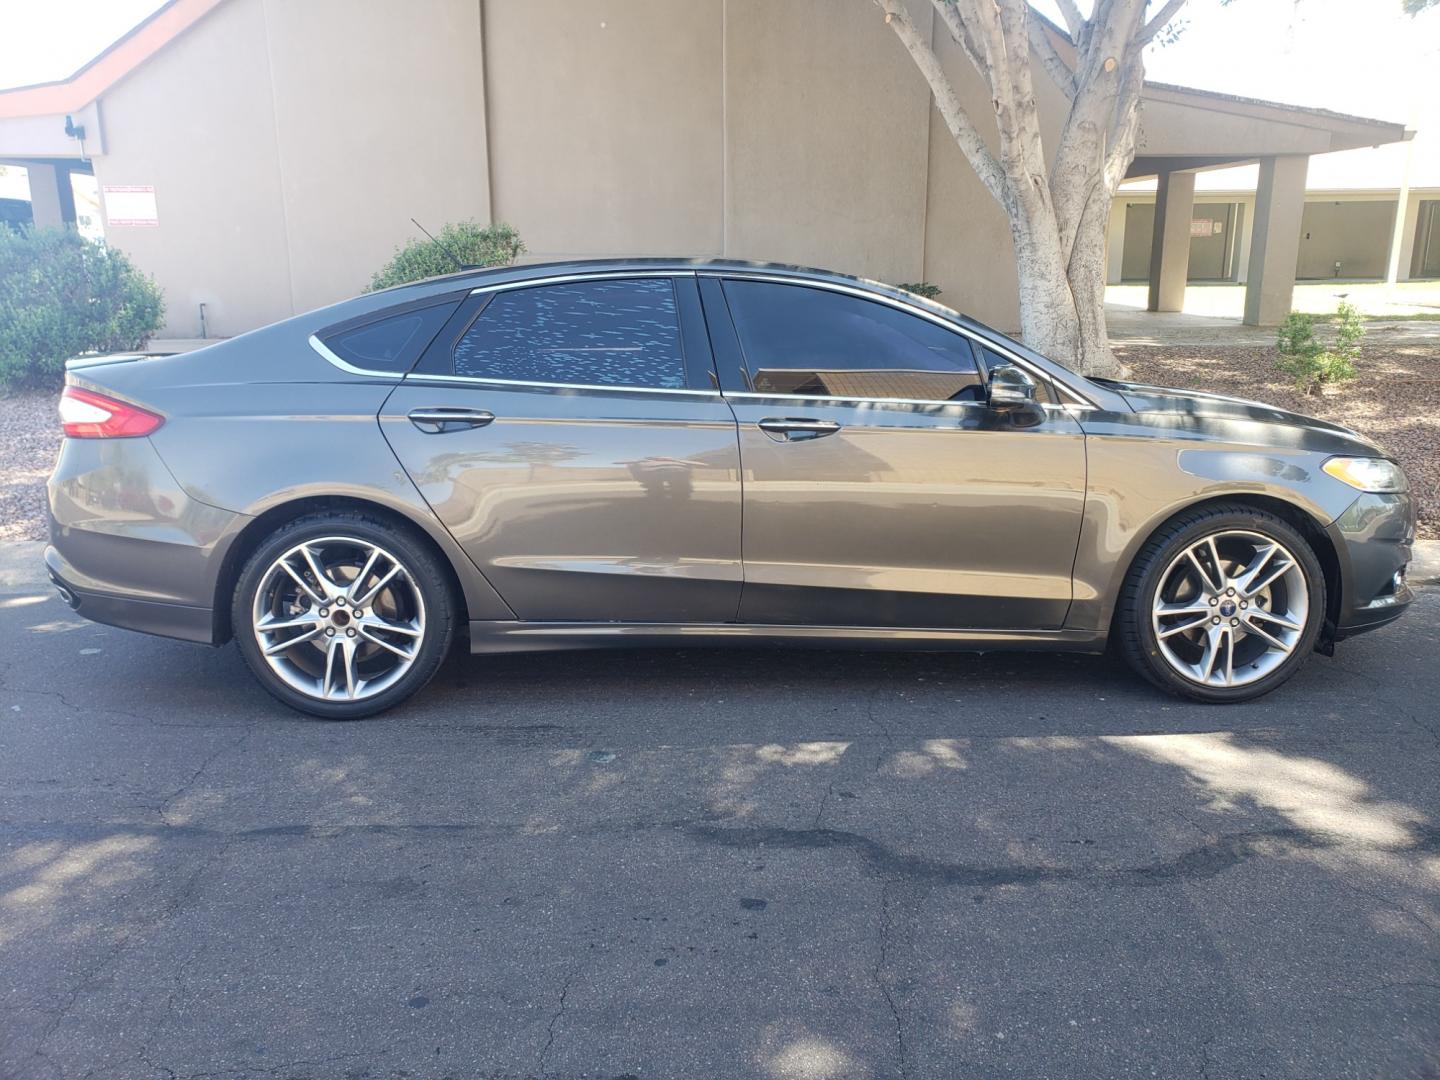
[{"x": 1058, "y": 210}]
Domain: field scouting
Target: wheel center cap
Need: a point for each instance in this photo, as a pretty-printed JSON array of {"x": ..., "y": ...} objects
[
  {"x": 340, "y": 618},
  {"x": 1227, "y": 608}
]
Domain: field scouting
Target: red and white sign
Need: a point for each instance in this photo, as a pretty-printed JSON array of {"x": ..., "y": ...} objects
[{"x": 130, "y": 204}]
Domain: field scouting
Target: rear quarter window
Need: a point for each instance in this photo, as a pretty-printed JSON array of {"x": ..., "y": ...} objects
[{"x": 391, "y": 343}]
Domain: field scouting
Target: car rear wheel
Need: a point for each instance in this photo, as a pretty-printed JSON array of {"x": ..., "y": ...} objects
[
  {"x": 342, "y": 615},
  {"x": 1223, "y": 604}
]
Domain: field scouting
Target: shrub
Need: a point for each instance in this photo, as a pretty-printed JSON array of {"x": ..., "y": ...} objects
[
  {"x": 470, "y": 242},
  {"x": 921, "y": 288},
  {"x": 1306, "y": 359},
  {"x": 62, "y": 295}
]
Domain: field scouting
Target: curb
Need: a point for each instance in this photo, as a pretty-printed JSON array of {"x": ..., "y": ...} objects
[{"x": 22, "y": 564}]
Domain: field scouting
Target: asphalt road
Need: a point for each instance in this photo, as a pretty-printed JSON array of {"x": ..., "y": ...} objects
[{"x": 716, "y": 864}]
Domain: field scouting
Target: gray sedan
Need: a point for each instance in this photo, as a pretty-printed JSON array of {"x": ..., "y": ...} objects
[{"x": 669, "y": 452}]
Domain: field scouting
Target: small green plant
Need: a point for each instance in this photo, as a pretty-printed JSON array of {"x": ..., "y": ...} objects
[
  {"x": 1308, "y": 361},
  {"x": 469, "y": 242},
  {"x": 921, "y": 288},
  {"x": 62, "y": 295}
]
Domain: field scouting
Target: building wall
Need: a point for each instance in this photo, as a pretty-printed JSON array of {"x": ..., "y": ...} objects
[
  {"x": 1355, "y": 229},
  {"x": 286, "y": 157},
  {"x": 289, "y": 144},
  {"x": 1354, "y": 235}
]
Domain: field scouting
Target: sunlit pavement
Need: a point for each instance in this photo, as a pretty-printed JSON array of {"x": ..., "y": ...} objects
[{"x": 713, "y": 864}]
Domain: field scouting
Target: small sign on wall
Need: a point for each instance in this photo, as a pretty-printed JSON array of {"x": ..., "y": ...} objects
[
  {"x": 1199, "y": 227},
  {"x": 130, "y": 204}
]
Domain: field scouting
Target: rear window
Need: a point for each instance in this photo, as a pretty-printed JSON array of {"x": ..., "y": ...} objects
[
  {"x": 391, "y": 344},
  {"x": 622, "y": 333}
]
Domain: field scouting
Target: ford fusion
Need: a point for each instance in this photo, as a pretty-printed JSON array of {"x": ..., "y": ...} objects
[{"x": 651, "y": 452}]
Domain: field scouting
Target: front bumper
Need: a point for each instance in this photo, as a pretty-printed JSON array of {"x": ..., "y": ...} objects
[
  {"x": 128, "y": 546},
  {"x": 1372, "y": 542}
]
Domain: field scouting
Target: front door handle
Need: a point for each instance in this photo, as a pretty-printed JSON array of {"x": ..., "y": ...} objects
[
  {"x": 439, "y": 420},
  {"x": 797, "y": 429}
]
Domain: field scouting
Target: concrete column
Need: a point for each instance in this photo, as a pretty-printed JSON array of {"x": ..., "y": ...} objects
[
  {"x": 1115, "y": 242},
  {"x": 1170, "y": 245},
  {"x": 45, "y": 202},
  {"x": 1275, "y": 243}
]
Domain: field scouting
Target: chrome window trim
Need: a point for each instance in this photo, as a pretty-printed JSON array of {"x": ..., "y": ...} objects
[
  {"x": 909, "y": 309},
  {"x": 824, "y": 399},
  {"x": 478, "y": 380},
  {"x": 344, "y": 365},
  {"x": 751, "y": 395},
  {"x": 561, "y": 279}
]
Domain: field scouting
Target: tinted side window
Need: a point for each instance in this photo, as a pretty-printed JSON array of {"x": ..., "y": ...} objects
[
  {"x": 799, "y": 340},
  {"x": 594, "y": 333},
  {"x": 391, "y": 344}
]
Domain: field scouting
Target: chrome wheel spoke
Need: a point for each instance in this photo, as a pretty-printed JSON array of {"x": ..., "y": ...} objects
[
  {"x": 1180, "y": 628},
  {"x": 1252, "y": 627},
  {"x": 368, "y": 634},
  {"x": 1278, "y": 620},
  {"x": 364, "y": 574},
  {"x": 299, "y": 579},
  {"x": 326, "y": 583},
  {"x": 325, "y": 638},
  {"x": 1206, "y": 581},
  {"x": 275, "y": 648},
  {"x": 366, "y": 600}
]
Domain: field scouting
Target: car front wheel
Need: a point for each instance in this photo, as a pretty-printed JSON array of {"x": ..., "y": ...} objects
[
  {"x": 342, "y": 615},
  {"x": 1223, "y": 604}
]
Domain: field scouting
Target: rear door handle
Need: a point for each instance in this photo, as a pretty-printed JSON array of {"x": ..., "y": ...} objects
[
  {"x": 439, "y": 420},
  {"x": 797, "y": 429}
]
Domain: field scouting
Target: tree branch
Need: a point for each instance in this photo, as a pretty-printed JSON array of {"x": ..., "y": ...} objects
[
  {"x": 960, "y": 33},
  {"x": 962, "y": 129},
  {"x": 1051, "y": 58},
  {"x": 1162, "y": 19},
  {"x": 1074, "y": 21}
]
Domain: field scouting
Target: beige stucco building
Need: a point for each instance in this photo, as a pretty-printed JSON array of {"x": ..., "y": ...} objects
[{"x": 261, "y": 157}]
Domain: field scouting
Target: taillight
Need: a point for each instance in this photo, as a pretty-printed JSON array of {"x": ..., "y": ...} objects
[{"x": 85, "y": 414}]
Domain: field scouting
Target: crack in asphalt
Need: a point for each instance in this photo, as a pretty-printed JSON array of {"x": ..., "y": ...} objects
[
  {"x": 880, "y": 982},
  {"x": 555, "y": 1019},
  {"x": 1218, "y": 854}
]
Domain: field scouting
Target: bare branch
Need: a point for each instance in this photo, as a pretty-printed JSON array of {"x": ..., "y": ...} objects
[
  {"x": 962, "y": 128},
  {"x": 1162, "y": 19},
  {"x": 1074, "y": 21},
  {"x": 1051, "y": 58},
  {"x": 950, "y": 15}
]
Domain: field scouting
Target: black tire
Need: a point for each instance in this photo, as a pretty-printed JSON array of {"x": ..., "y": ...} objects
[
  {"x": 1133, "y": 630},
  {"x": 421, "y": 566}
]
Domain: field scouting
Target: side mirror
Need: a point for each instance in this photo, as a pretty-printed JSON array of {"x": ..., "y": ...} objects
[{"x": 1010, "y": 388}]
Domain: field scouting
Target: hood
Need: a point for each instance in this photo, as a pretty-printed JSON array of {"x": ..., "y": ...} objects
[{"x": 1314, "y": 434}]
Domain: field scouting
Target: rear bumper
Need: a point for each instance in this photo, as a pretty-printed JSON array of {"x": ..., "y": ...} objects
[
  {"x": 147, "y": 616},
  {"x": 1372, "y": 541},
  {"x": 128, "y": 546}
]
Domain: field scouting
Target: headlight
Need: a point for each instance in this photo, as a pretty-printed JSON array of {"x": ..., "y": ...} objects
[{"x": 1367, "y": 473}]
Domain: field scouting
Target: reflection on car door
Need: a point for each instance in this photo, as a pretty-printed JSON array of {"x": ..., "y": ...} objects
[
  {"x": 879, "y": 488},
  {"x": 572, "y": 440}
]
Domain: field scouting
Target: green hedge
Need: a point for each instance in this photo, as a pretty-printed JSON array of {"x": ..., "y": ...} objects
[
  {"x": 62, "y": 295},
  {"x": 470, "y": 242}
]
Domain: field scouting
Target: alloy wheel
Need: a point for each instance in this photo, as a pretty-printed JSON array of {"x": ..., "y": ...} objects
[
  {"x": 1231, "y": 608},
  {"x": 338, "y": 618}
]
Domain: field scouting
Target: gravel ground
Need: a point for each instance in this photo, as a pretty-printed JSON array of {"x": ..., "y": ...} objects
[
  {"x": 1395, "y": 400},
  {"x": 29, "y": 441}
]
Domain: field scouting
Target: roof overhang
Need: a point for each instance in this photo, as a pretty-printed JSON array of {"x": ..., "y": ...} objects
[
  {"x": 86, "y": 85},
  {"x": 1183, "y": 129}
]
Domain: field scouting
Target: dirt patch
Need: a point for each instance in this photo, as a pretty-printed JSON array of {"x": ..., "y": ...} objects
[
  {"x": 1395, "y": 400},
  {"x": 29, "y": 443}
]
